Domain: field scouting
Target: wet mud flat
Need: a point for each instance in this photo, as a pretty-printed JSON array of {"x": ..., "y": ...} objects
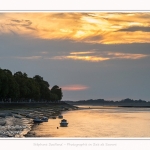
[{"x": 16, "y": 120}]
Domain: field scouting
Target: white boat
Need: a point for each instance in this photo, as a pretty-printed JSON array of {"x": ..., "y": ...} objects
[
  {"x": 63, "y": 123},
  {"x": 38, "y": 120}
]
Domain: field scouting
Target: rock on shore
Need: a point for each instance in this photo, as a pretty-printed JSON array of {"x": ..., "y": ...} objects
[{"x": 17, "y": 122}]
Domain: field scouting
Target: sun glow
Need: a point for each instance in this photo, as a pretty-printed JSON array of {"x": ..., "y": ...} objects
[{"x": 74, "y": 87}]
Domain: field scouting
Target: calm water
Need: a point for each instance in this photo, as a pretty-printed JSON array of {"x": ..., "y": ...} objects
[{"x": 99, "y": 122}]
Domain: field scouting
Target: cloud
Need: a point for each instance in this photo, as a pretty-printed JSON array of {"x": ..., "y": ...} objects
[
  {"x": 44, "y": 52},
  {"x": 17, "y": 26},
  {"x": 126, "y": 55},
  {"x": 18, "y": 23},
  {"x": 91, "y": 27},
  {"x": 88, "y": 58},
  {"x": 136, "y": 28},
  {"x": 80, "y": 53},
  {"x": 96, "y": 56},
  {"x": 74, "y": 87},
  {"x": 30, "y": 57},
  {"x": 83, "y": 56}
]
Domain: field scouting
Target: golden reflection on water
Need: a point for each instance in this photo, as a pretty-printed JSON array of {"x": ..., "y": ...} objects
[{"x": 99, "y": 122}]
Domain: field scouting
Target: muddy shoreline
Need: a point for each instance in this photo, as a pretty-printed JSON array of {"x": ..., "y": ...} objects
[{"x": 16, "y": 120}]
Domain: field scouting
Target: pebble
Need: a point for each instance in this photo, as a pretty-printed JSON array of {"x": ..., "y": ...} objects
[
  {"x": 2, "y": 115},
  {"x": 2, "y": 122}
]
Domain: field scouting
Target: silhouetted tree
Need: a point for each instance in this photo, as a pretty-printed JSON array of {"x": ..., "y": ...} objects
[
  {"x": 19, "y": 87},
  {"x": 56, "y": 90}
]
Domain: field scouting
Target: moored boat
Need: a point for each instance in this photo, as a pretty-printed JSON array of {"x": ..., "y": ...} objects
[
  {"x": 44, "y": 119},
  {"x": 53, "y": 117},
  {"x": 37, "y": 120},
  {"x": 60, "y": 116},
  {"x": 63, "y": 123}
]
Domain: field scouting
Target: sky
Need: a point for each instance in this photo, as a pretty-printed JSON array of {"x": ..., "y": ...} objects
[{"x": 90, "y": 55}]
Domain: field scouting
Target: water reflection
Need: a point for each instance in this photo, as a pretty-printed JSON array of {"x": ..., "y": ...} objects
[{"x": 99, "y": 122}]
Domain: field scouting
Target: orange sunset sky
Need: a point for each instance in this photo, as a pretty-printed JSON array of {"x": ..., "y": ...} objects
[{"x": 93, "y": 54}]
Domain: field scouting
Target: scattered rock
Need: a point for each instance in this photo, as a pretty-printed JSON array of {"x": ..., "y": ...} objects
[
  {"x": 17, "y": 116},
  {"x": 2, "y": 122},
  {"x": 24, "y": 117},
  {"x": 2, "y": 115}
]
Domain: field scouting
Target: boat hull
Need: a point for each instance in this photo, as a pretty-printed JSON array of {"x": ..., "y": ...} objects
[
  {"x": 37, "y": 121},
  {"x": 60, "y": 117},
  {"x": 63, "y": 124},
  {"x": 44, "y": 119}
]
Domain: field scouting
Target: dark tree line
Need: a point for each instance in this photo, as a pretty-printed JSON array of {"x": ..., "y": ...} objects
[{"x": 20, "y": 87}]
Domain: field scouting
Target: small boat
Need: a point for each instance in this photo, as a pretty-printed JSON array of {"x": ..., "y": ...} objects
[
  {"x": 53, "y": 117},
  {"x": 37, "y": 120},
  {"x": 44, "y": 119},
  {"x": 63, "y": 123},
  {"x": 60, "y": 116}
]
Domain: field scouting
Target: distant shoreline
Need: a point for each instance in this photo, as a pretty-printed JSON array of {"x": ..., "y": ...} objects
[
  {"x": 7, "y": 105},
  {"x": 136, "y": 106},
  {"x": 103, "y": 106},
  {"x": 122, "y": 103},
  {"x": 128, "y": 106}
]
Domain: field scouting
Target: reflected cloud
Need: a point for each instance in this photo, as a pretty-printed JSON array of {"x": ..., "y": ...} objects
[{"x": 74, "y": 87}]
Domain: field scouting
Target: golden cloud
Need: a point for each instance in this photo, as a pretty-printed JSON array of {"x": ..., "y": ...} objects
[
  {"x": 99, "y": 56},
  {"x": 92, "y": 27},
  {"x": 80, "y": 53},
  {"x": 88, "y": 58},
  {"x": 126, "y": 55}
]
